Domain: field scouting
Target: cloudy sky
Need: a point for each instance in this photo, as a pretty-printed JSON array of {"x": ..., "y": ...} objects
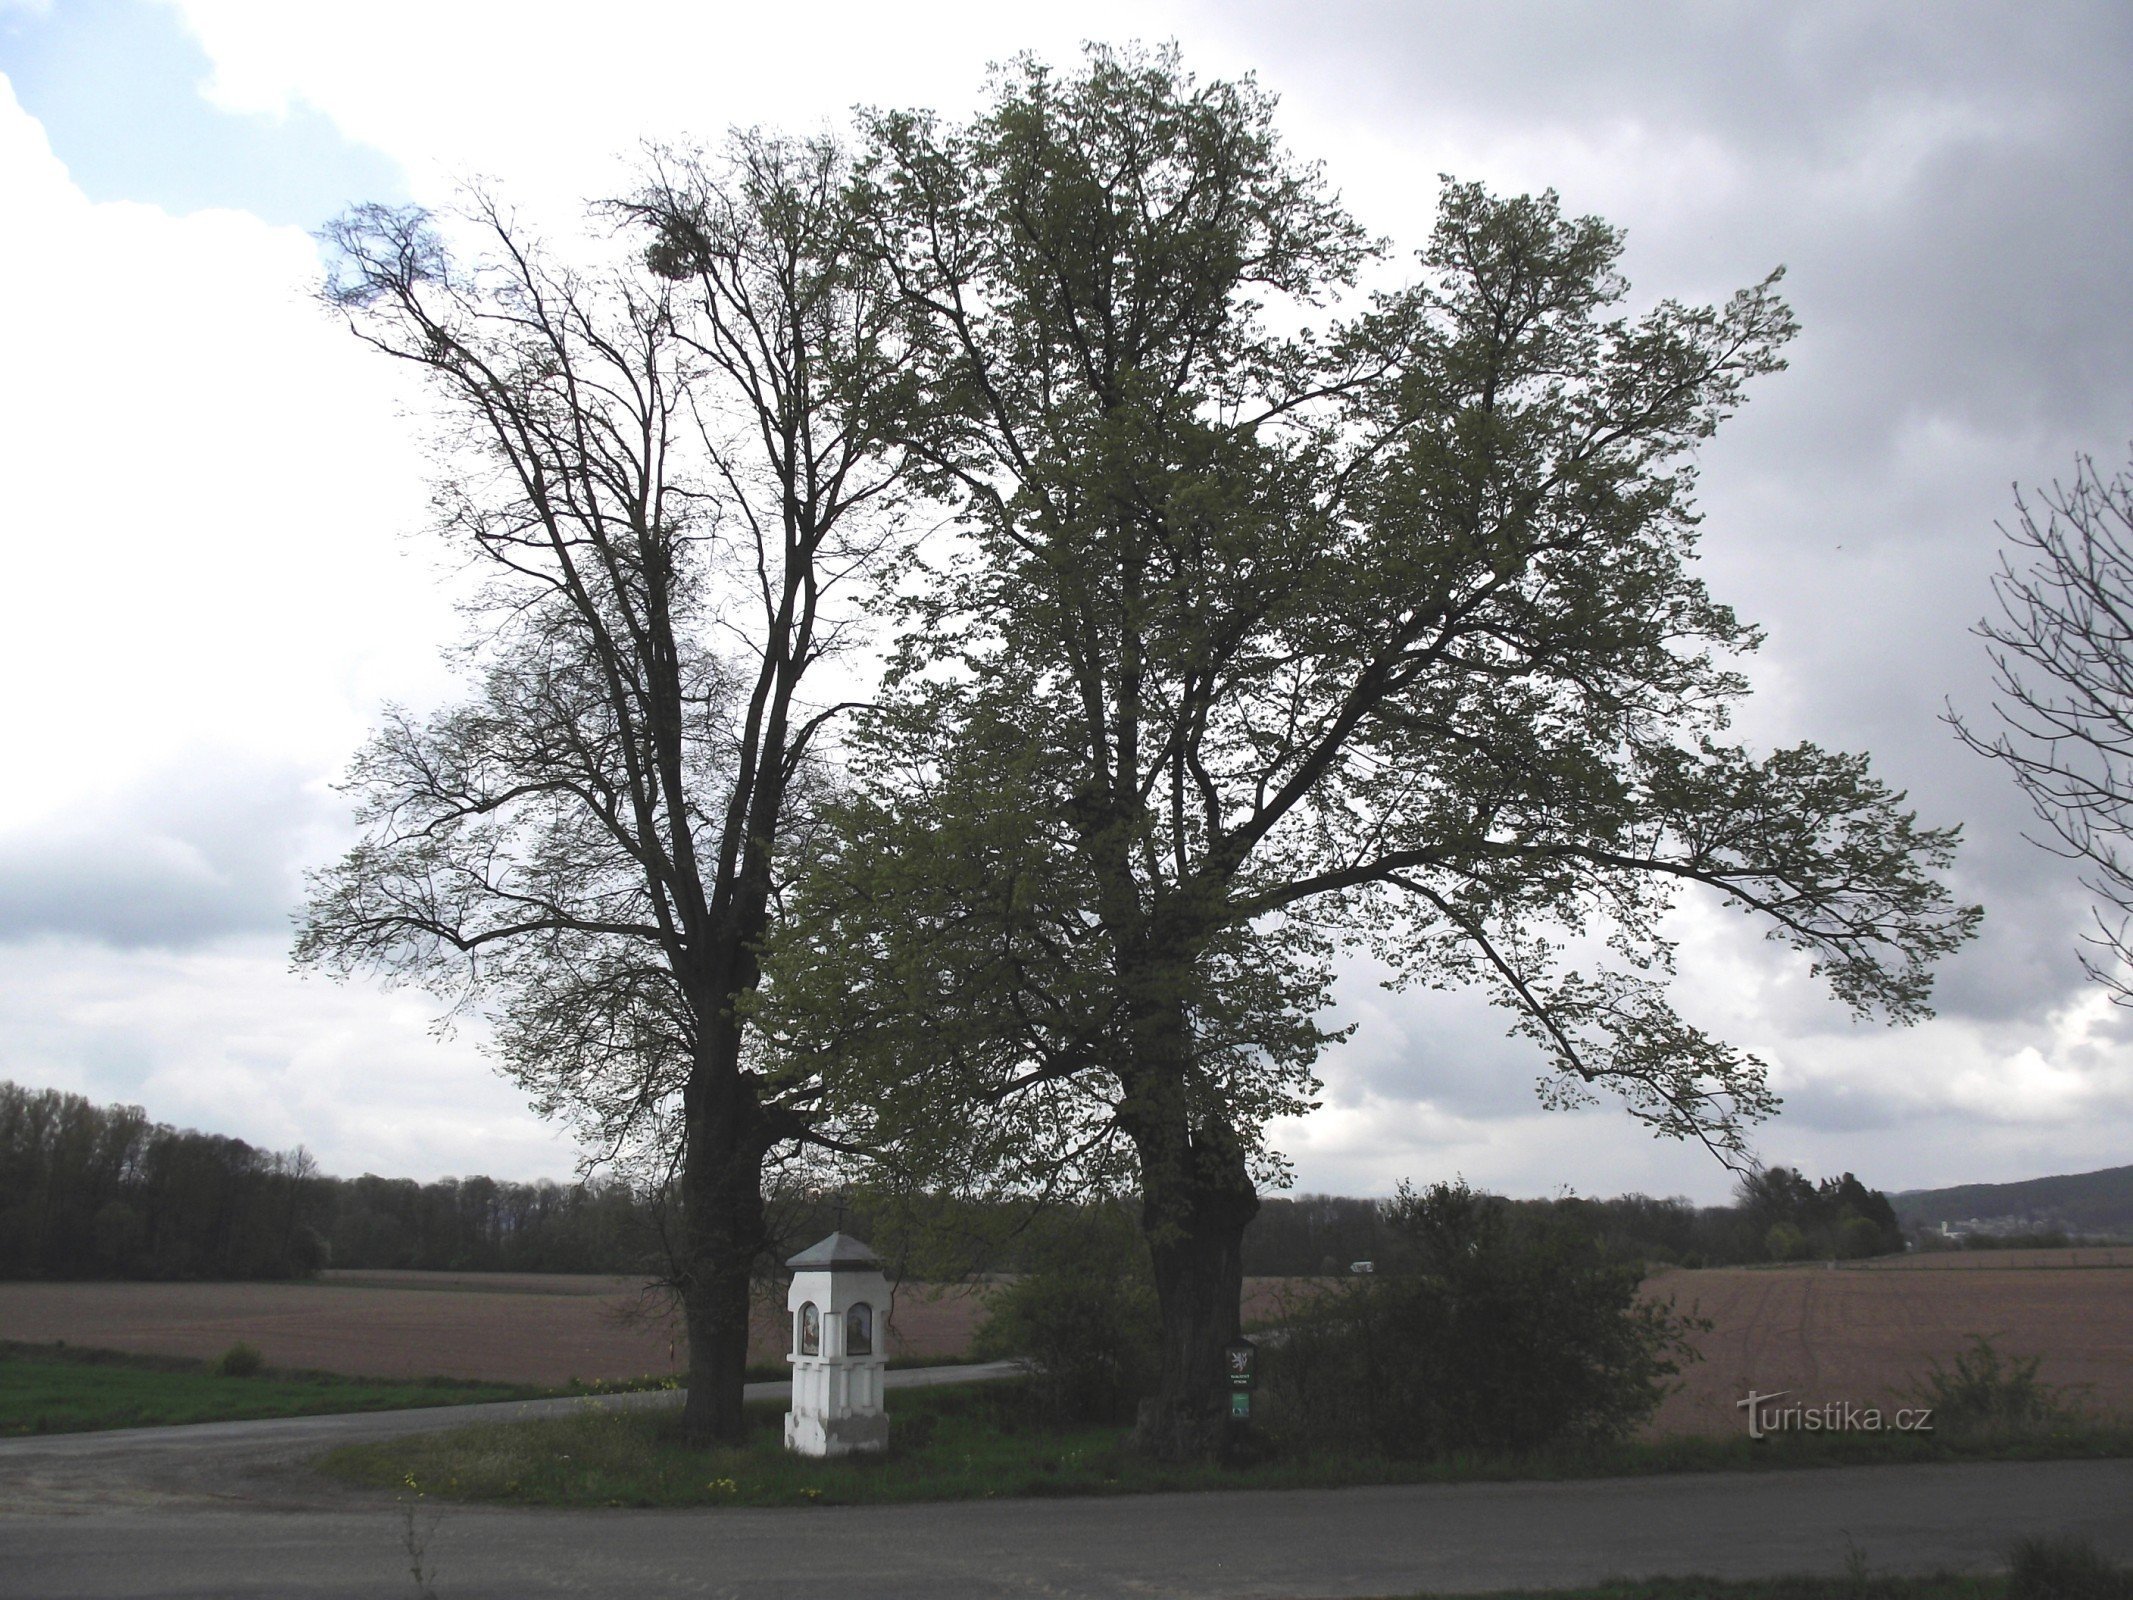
[{"x": 213, "y": 573}]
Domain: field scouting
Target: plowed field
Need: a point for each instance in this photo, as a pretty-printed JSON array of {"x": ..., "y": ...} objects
[
  {"x": 1859, "y": 1333},
  {"x": 1853, "y": 1334},
  {"x": 506, "y": 1327}
]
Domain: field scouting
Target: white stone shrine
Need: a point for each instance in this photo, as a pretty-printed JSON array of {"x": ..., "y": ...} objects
[{"x": 839, "y": 1300}]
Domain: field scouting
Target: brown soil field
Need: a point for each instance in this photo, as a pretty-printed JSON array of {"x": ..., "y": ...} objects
[
  {"x": 510, "y": 1328},
  {"x": 1856, "y": 1334},
  {"x": 504, "y": 1327},
  {"x": 1864, "y": 1333}
]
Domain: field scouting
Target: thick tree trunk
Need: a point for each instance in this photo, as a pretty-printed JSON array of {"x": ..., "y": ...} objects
[
  {"x": 1196, "y": 1198},
  {"x": 722, "y": 1233},
  {"x": 1195, "y": 1229}
]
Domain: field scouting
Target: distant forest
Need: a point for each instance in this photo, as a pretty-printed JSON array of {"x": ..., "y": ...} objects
[
  {"x": 90, "y": 1191},
  {"x": 2078, "y": 1203}
]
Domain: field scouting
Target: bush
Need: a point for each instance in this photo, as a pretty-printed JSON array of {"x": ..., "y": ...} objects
[
  {"x": 1481, "y": 1329},
  {"x": 240, "y": 1360},
  {"x": 310, "y": 1253},
  {"x": 1084, "y": 1318},
  {"x": 1991, "y": 1393},
  {"x": 2064, "y": 1569},
  {"x": 1858, "y": 1238},
  {"x": 1784, "y": 1242}
]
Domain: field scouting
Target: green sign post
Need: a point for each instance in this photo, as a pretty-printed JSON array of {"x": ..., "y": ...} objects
[{"x": 1241, "y": 1357}]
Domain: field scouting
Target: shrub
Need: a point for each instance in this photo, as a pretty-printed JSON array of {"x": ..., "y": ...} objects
[
  {"x": 1858, "y": 1238},
  {"x": 310, "y": 1252},
  {"x": 2065, "y": 1568},
  {"x": 1987, "y": 1392},
  {"x": 1784, "y": 1242},
  {"x": 1084, "y": 1318},
  {"x": 240, "y": 1360},
  {"x": 1481, "y": 1329}
]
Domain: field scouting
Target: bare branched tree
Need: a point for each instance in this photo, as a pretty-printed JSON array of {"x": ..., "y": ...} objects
[
  {"x": 2062, "y": 667},
  {"x": 668, "y": 478}
]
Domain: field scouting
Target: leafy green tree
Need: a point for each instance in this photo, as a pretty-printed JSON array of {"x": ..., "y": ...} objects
[
  {"x": 1845, "y": 1201},
  {"x": 1083, "y": 1315},
  {"x": 1786, "y": 1241},
  {"x": 1485, "y": 1326},
  {"x": 665, "y": 472},
  {"x": 1858, "y": 1238},
  {"x": 1282, "y": 616}
]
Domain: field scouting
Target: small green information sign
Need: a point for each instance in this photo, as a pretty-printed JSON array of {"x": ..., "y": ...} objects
[{"x": 1240, "y": 1406}]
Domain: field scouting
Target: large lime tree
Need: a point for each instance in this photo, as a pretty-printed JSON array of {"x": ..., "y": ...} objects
[
  {"x": 1280, "y": 617},
  {"x": 664, "y": 473}
]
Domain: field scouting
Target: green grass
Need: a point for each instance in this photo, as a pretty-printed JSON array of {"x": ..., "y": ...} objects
[
  {"x": 68, "y": 1389},
  {"x": 2038, "y": 1569},
  {"x": 1939, "y": 1586},
  {"x": 63, "y": 1388},
  {"x": 959, "y": 1442}
]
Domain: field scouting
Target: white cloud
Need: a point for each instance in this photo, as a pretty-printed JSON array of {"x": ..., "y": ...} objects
[
  {"x": 208, "y": 485},
  {"x": 549, "y": 100},
  {"x": 225, "y": 1039}
]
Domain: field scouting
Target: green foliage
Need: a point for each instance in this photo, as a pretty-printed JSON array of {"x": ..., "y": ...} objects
[
  {"x": 1784, "y": 1242},
  {"x": 1792, "y": 1219},
  {"x": 1482, "y": 1328},
  {"x": 2085, "y": 1202},
  {"x": 99, "y": 1191},
  {"x": 240, "y": 1360},
  {"x": 978, "y": 1441},
  {"x": 2064, "y": 1568},
  {"x": 1857, "y": 1237},
  {"x": 1282, "y": 617},
  {"x": 92, "y": 1191},
  {"x": 1084, "y": 1317},
  {"x": 310, "y": 1251},
  {"x": 55, "y": 1389},
  {"x": 1985, "y": 1392},
  {"x": 1799, "y": 1586}
]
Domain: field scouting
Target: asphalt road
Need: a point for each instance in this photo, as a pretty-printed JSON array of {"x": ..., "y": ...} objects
[{"x": 227, "y": 1509}]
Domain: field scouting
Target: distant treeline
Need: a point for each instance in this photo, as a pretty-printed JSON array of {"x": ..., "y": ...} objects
[
  {"x": 90, "y": 1191},
  {"x": 1778, "y": 1216}
]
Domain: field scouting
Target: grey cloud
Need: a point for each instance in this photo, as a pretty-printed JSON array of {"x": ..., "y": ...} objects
[
  {"x": 1948, "y": 190},
  {"x": 190, "y": 855},
  {"x": 1448, "y": 1049},
  {"x": 1806, "y": 79}
]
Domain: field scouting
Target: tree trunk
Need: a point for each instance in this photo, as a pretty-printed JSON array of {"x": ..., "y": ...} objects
[
  {"x": 1196, "y": 1198},
  {"x": 722, "y": 1233}
]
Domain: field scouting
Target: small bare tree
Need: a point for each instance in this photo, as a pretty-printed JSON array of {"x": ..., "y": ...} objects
[
  {"x": 2062, "y": 666},
  {"x": 661, "y": 473}
]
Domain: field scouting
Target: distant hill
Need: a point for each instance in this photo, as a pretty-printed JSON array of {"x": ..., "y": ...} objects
[{"x": 2082, "y": 1202}]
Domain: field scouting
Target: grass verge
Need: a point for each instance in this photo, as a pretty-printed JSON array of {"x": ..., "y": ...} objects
[
  {"x": 61, "y": 1388},
  {"x": 2038, "y": 1569},
  {"x": 1938, "y": 1586},
  {"x": 966, "y": 1442}
]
